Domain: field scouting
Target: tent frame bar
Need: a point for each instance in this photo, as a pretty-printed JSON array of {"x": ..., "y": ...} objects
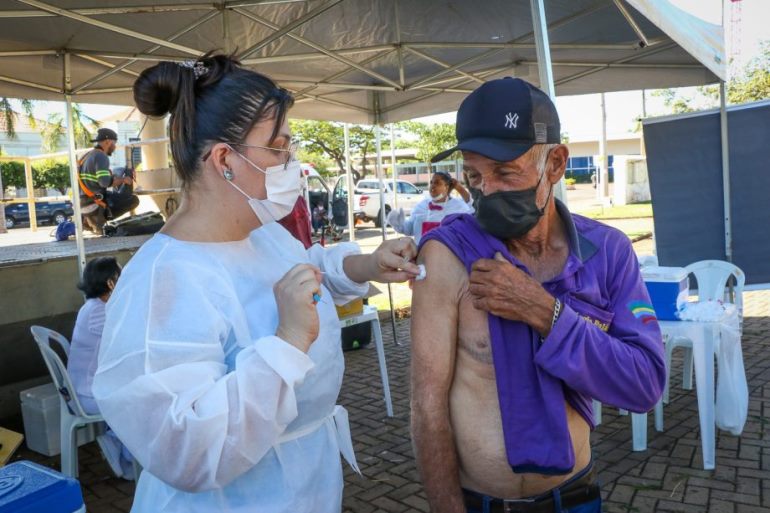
[
  {"x": 111, "y": 27},
  {"x": 310, "y": 15},
  {"x": 632, "y": 23},
  {"x": 118, "y": 67},
  {"x": 147, "y": 9},
  {"x": 317, "y": 47}
]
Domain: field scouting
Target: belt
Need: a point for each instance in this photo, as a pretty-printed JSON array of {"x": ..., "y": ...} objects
[
  {"x": 580, "y": 489},
  {"x": 338, "y": 426}
]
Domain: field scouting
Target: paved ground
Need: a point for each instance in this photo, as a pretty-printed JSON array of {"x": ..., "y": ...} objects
[{"x": 668, "y": 477}]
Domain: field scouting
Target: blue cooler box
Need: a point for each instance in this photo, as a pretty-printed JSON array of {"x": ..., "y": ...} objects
[
  {"x": 668, "y": 288},
  {"x": 26, "y": 487}
]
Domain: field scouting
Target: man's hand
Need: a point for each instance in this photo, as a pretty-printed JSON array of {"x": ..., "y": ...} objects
[{"x": 502, "y": 289}]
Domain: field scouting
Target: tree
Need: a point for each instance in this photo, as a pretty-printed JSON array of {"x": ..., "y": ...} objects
[
  {"x": 675, "y": 102},
  {"x": 55, "y": 130},
  {"x": 327, "y": 138},
  {"x": 431, "y": 139},
  {"x": 10, "y": 116},
  {"x": 751, "y": 84},
  {"x": 54, "y": 174},
  {"x": 13, "y": 174}
]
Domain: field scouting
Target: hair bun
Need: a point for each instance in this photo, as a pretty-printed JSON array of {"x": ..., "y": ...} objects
[{"x": 158, "y": 88}]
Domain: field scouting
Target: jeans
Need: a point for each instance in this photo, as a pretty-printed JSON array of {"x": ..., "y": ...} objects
[{"x": 591, "y": 506}]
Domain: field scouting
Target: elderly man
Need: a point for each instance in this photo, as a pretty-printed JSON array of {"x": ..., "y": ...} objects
[{"x": 526, "y": 314}]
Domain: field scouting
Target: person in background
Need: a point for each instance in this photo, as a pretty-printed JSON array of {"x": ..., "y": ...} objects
[
  {"x": 428, "y": 213},
  {"x": 98, "y": 203},
  {"x": 99, "y": 279},
  {"x": 221, "y": 359}
]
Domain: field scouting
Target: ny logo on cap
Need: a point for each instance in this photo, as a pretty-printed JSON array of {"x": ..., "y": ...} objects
[{"x": 511, "y": 120}]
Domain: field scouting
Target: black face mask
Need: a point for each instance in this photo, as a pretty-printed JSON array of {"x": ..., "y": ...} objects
[{"x": 508, "y": 214}]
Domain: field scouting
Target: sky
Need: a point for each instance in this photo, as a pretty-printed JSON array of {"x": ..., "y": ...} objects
[{"x": 581, "y": 115}]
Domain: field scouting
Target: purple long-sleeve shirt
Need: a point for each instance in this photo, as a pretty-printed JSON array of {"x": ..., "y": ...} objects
[{"x": 605, "y": 345}]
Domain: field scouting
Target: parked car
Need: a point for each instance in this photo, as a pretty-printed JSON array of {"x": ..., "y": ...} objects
[
  {"x": 52, "y": 212},
  {"x": 368, "y": 197}
]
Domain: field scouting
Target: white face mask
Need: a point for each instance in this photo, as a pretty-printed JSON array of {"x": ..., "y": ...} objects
[
  {"x": 283, "y": 185},
  {"x": 439, "y": 198}
]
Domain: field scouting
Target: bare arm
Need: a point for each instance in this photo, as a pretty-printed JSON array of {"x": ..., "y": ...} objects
[
  {"x": 461, "y": 190},
  {"x": 434, "y": 340}
]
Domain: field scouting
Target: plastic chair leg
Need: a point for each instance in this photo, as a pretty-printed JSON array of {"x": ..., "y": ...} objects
[
  {"x": 687, "y": 369},
  {"x": 639, "y": 431},
  {"x": 69, "y": 448},
  {"x": 597, "y": 407},
  {"x": 669, "y": 350},
  {"x": 659, "y": 416}
]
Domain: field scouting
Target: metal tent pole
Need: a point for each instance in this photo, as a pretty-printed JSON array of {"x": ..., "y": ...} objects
[
  {"x": 73, "y": 168},
  {"x": 544, "y": 67},
  {"x": 349, "y": 183},
  {"x": 394, "y": 171},
  {"x": 725, "y": 172},
  {"x": 378, "y": 145},
  {"x": 603, "y": 185}
]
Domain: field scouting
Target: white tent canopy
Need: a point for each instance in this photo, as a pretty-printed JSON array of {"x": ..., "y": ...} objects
[{"x": 421, "y": 56}]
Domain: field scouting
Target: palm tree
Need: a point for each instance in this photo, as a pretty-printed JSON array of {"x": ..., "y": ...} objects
[
  {"x": 7, "y": 112},
  {"x": 56, "y": 129},
  {"x": 3, "y": 229}
]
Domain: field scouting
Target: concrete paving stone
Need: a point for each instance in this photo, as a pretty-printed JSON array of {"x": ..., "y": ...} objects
[
  {"x": 720, "y": 506},
  {"x": 736, "y": 497},
  {"x": 622, "y": 493},
  {"x": 696, "y": 495},
  {"x": 389, "y": 505},
  {"x": 673, "y": 506},
  {"x": 417, "y": 503},
  {"x": 748, "y": 486},
  {"x": 743, "y": 508},
  {"x": 667, "y": 477},
  {"x": 642, "y": 504}
]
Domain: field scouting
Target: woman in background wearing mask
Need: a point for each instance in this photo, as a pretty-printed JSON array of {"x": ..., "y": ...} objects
[
  {"x": 221, "y": 359},
  {"x": 428, "y": 213}
]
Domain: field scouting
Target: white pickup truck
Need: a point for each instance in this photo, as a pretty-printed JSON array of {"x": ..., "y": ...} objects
[{"x": 367, "y": 198}]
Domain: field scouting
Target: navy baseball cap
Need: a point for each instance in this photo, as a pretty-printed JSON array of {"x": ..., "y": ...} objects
[
  {"x": 105, "y": 134},
  {"x": 503, "y": 119}
]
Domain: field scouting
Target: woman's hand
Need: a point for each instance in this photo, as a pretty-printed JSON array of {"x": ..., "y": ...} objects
[
  {"x": 298, "y": 322},
  {"x": 392, "y": 262}
]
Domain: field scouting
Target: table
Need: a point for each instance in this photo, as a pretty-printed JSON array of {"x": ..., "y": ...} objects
[
  {"x": 705, "y": 338},
  {"x": 370, "y": 315}
]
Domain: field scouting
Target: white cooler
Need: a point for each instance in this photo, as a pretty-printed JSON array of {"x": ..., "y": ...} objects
[{"x": 40, "y": 411}]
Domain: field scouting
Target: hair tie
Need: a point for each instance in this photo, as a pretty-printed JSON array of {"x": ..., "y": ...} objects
[{"x": 197, "y": 67}]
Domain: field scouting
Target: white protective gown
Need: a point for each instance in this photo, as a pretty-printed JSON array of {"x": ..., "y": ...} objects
[
  {"x": 223, "y": 415},
  {"x": 424, "y": 219}
]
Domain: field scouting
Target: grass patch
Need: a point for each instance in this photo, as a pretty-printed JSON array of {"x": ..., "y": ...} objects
[{"x": 632, "y": 211}]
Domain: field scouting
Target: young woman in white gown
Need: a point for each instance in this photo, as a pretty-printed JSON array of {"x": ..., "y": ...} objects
[{"x": 221, "y": 360}]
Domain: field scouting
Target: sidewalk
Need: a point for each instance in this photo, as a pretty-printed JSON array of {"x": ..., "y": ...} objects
[{"x": 668, "y": 477}]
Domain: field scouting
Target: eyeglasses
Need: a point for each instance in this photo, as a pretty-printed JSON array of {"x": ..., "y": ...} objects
[{"x": 291, "y": 151}]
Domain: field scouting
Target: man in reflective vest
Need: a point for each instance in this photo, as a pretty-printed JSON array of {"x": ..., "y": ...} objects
[{"x": 97, "y": 203}]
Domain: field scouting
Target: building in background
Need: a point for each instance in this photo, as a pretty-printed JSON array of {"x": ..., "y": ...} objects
[{"x": 28, "y": 140}]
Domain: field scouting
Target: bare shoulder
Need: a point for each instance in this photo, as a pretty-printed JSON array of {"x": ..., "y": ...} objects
[{"x": 445, "y": 266}]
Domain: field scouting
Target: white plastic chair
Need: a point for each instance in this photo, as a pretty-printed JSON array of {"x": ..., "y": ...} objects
[
  {"x": 713, "y": 277},
  {"x": 72, "y": 414}
]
